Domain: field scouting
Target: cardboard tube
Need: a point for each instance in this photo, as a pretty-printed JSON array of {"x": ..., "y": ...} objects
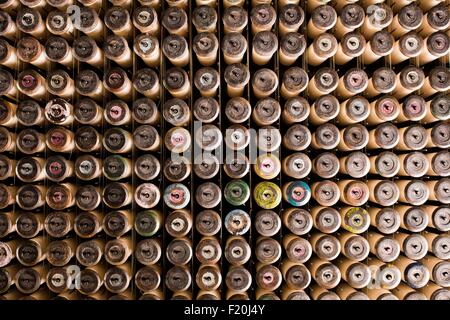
[
  {"x": 408, "y": 46},
  {"x": 415, "y": 274},
  {"x": 413, "y": 137},
  {"x": 324, "y": 109},
  {"x": 326, "y": 247},
  {"x": 90, "y": 23},
  {"x": 296, "y": 275},
  {"x": 386, "y": 220},
  {"x": 353, "y": 110},
  {"x": 385, "y": 248},
  {"x": 326, "y": 274},
  {"x": 382, "y": 81}
]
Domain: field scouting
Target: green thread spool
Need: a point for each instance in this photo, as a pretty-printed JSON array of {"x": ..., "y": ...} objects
[{"x": 237, "y": 192}]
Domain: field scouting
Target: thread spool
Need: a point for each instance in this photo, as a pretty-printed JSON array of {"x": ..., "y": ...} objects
[
  {"x": 380, "y": 45},
  {"x": 147, "y": 48},
  {"x": 323, "y": 18},
  {"x": 58, "y": 23},
  {"x": 324, "y": 81},
  {"x": 435, "y": 46},
  {"x": 235, "y": 19},
  {"x": 291, "y": 17},
  {"x": 352, "y": 45},
  {"x": 175, "y": 20},
  {"x": 236, "y": 76},
  {"x": 414, "y": 219},
  {"x": 262, "y": 17},
  {"x": 323, "y": 47},
  {"x": 116, "y": 48},
  {"x": 409, "y": 18},
  {"x": 205, "y": 18}
]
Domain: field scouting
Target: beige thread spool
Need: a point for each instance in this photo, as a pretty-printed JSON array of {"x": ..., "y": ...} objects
[
  {"x": 436, "y": 45},
  {"x": 263, "y": 18},
  {"x": 296, "y": 109},
  {"x": 116, "y": 81},
  {"x": 236, "y": 76},
  {"x": 323, "y": 47},
  {"x": 292, "y": 46},
  {"x": 176, "y": 81},
  {"x": 434, "y": 292},
  {"x": 380, "y": 45},
  {"x": 147, "y": 47},
  {"x": 207, "y": 81},
  {"x": 176, "y": 49},
  {"x": 437, "y": 81},
  {"x": 295, "y": 81},
  {"x": 116, "y": 48},
  {"x": 383, "y": 81},
  {"x": 414, "y": 219},
  {"x": 298, "y": 138},
  {"x": 323, "y": 18},
  {"x": 413, "y": 137},
  {"x": 352, "y": 45},
  {"x": 405, "y": 292},
  {"x": 58, "y": 23},
  {"x": 59, "y": 83},
  {"x": 206, "y": 48},
  {"x": 291, "y": 17},
  {"x": 438, "y": 270},
  {"x": 353, "y": 110},
  {"x": 326, "y": 219},
  {"x": 386, "y": 220},
  {"x": 439, "y": 190},
  {"x": 234, "y": 46},
  {"x": 438, "y": 244},
  {"x": 8, "y": 56},
  {"x": 353, "y": 82},
  {"x": 351, "y": 17},
  {"x": 414, "y": 273},
  {"x": 325, "y": 246},
  {"x": 414, "y": 246},
  {"x": 29, "y": 20},
  {"x": 356, "y": 164},
  {"x": 86, "y": 50},
  {"x": 175, "y": 20},
  {"x": 234, "y": 18},
  {"x": 409, "y": 18},
  {"x": 356, "y": 274},
  {"x": 146, "y": 19},
  {"x": 30, "y": 50},
  {"x": 297, "y": 249},
  {"x": 264, "y": 46},
  {"x": 407, "y": 47},
  {"x": 385, "y": 136},
  {"x": 324, "y": 81}
]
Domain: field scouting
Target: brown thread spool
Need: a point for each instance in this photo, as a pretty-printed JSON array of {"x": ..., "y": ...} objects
[
  {"x": 30, "y": 197},
  {"x": 117, "y": 140},
  {"x": 183, "y": 4},
  {"x": 152, "y": 295},
  {"x": 179, "y": 223},
  {"x": 58, "y": 23},
  {"x": 325, "y": 137},
  {"x": 380, "y": 45},
  {"x": 414, "y": 219},
  {"x": 208, "y": 222},
  {"x": 60, "y": 252},
  {"x": 61, "y": 196},
  {"x": 297, "y": 138},
  {"x": 57, "y": 49},
  {"x": 237, "y": 250},
  {"x": 325, "y": 246},
  {"x": 8, "y": 56},
  {"x": 264, "y": 83},
  {"x": 206, "y": 48},
  {"x": 7, "y": 166},
  {"x": 435, "y": 46},
  {"x": 207, "y": 81},
  {"x": 311, "y": 5},
  {"x": 264, "y": 46},
  {"x": 437, "y": 81},
  {"x": 266, "y": 111},
  {"x": 28, "y": 281},
  {"x": 177, "y": 140},
  {"x": 385, "y": 136},
  {"x": 29, "y": 225},
  {"x": 297, "y": 166},
  {"x": 237, "y": 165},
  {"x": 208, "y": 277},
  {"x": 356, "y": 274},
  {"x": 146, "y": 138},
  {"x": 409, "y": 18},
  {"x": 292, "y": 46},
  {"x": 88, "y": 167},
  {"x": 295, "y": 80},
  {"x": 117, "y": 279},
  {"x": 414, "y": 246},
  {"x": 8, "y": 113},
  {"x": 87, "y": 83},
  {"x": 323, "y": 47},
  {"x": 57, "y": 168},
  {"x": 91, "y": 279},
  {"x": 234, "y": 46},
  {"x": 32, "y": 251},
  {"x": 384, "y": 109},
  {"x": 209, "y": 137},
  {"x": 291, "y": 17},
  {"x": 262, "y": 17},
  {"x": 208, "y": 250},
  {"x": 325, "y": 219},
  {"x": 8, "y": 140},
  {"x": 118, "y": 223},
  {"x": 386, "y": 220},
  {"x": 414, "y": 273},
  {"x": 323, "y": 18},
  {"x": 7, "y": 224},
  {"x": 85, "y": 49},
  {"x": 414, "y": 192},
  {"x": 88, "y": 197},
  {"x": 90, "y": 23},
  {"x": 117, "y": 113},
  {"x": 413, "y": 109},
  {"x": 31, "y": 169},
  {"x": 385, "y": 248},
  {"x": 298, "y": 250},
  {"x": 144, "y": 111},
  {"x": 383, "y": 81},
  {"x": 147, "y": 48},
  {"x": 176, "y": 112},
  {"x": 205, "y": 18},
  {"x": 356, "y": 164},
  {"x": 59, "y": 111},
  {"x": 58, "y": 224},
  {"x": 234, "y": 18},
  {"x": 354, "y": 247},
  {"x": 346, "y": 292},
  {"x": 298, "y": 221},
  {"x": 179, "y": 251},
  {"x": 439, "y": 163},
  {"x": 8, "y": 28},
  {"x": 206, "y": 166},
  {"x": 324, "y": 109},
  {"x": 29, "y": 113},
  {"x": 351, "y": 46},
  {"x": 267, "y": 223},
  {"x": 409, "y": 79},
  {"x": 116, "y": 48},
  {"x": 296, "y": 109},
  {"x": 238, "y": 279},
  {"x": 353, "y": 82},
  {"x": 37, "y": 4},
  {"x": 32, "y": 84},
  {"x": 351, "y": 17},
  {"x": 268, "y": 277},
  {"x": 208, "y": 195},
  {"x": 29, "y": 141},
  {"x": 438, "y": 135},
  {"x": 148, "y": 251},
  {"x": 326, "y": 193},
  {"x": 117, "y": 195},
  {"x": 236, "y": 76},
  {"x": 353, "y": 110},
  {"x": 147, "y": 195},
  {"x": 413, "y": 164},
  {"x": 438, "y": 270},
  {"x": 89, "y": 253},
  {"x": 60, "y": 139},
  {"x": 59, "y": 83},
  {"x": 56, "y": 280},
  {"x": 175, "y": 20},
  {"x": 413, "y": 137},
  {"x": 8, "y": 86},
  {"x": 439, "y": 190},
  {"x": 438, "y": 245},
  {"x": 407, "y": 47},
  {"x": 117, "y": 19},
  {"x": 326, "y": 274},
  {"x": 325, "y": 165},
  {"x": 320, "y": 293},
  {"x": 434, "y": 292},
  {"x": 29, "y": 20},
  {"x": 206, "y": 109},
  {"x": 117, "y": 82},
  {"x": 176, "y": 49},
  {"x": 238, "y": 110},
  {"x": 324, "y": 81},
  {"x": 118, "y": 250},
  {"x": 176, "y": 81}
]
